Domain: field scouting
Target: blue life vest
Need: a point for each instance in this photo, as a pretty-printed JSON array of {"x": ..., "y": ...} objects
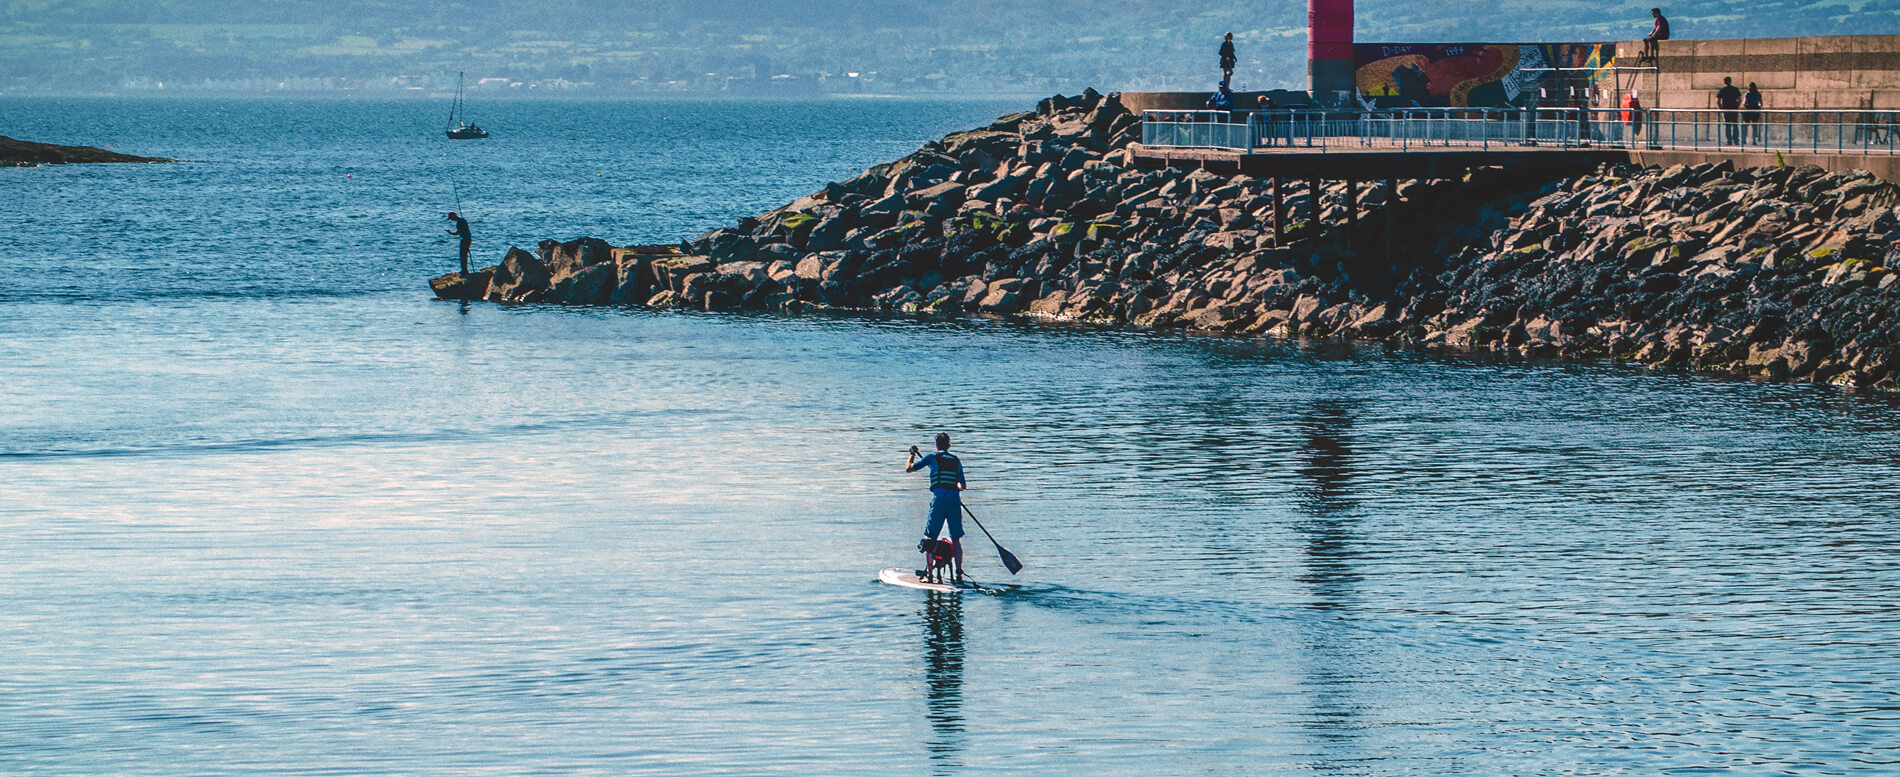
[{"x": 948, "y": 473}]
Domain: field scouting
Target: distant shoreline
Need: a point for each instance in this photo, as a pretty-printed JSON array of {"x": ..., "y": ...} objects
[{"x": 25, "y": 153}]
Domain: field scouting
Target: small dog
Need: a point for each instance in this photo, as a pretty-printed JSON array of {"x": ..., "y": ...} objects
[{"x": 940, "y": 556}]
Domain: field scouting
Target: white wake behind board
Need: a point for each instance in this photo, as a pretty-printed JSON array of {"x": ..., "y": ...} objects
[{"x": 908, "y": 578}]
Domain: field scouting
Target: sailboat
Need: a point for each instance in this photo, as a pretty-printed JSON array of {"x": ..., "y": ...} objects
[{"x": 459, "y": 128}]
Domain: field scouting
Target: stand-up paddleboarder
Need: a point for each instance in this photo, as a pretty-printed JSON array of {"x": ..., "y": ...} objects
[{"x": 946, "y": 499}]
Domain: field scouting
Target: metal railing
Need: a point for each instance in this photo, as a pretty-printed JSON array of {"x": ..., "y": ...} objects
[
  {"x": 1471, "y": 127},
  {"x": 1816, "y": 131},
  {"x": 1195, "y": 129}
]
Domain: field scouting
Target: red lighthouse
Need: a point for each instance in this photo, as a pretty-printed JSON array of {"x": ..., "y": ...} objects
[{"x": 1329, "y": 50}]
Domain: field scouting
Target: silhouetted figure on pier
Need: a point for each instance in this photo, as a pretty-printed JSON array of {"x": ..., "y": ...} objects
[
  {"x": 1227, "y": 59},
  {"x": 1269, "y": 122},
  {"x": 461, "y": 230},
  {"x": 1751, "y": 114},
  {"x": 1729, "y": 99},
  {"x": 1652, "y": 48}
]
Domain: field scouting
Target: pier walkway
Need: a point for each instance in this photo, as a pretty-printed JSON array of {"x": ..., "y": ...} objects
[
  {"x": 1444, "y": 142},
  {"x": 1440, "y": 143}
]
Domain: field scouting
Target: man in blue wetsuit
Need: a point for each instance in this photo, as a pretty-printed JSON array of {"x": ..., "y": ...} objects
[{"x": 946, "y": 500}]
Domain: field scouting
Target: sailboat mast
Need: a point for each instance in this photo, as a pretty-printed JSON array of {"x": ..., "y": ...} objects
[{"x": 456, "y": 106}]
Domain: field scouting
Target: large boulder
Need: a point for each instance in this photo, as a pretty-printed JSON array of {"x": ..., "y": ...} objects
[
  {"x": 728, "y": 246},
  {"x": 901, "y": 298},
  {"x": 1003, "y": 296},
  {"x": 747, "y": 275},
  {"x": 881, "y": 213},
  {"x": 948, "y": 192},
  {"x": 569, "y": 257},
  {"x": 776, "y": 252},
  {"x": 671, "y": 272},
  {"x": 519, "y": 278},
  {"x": 827, "y": 235},
  {"x": 633, "y": 278},
  {"x": 462, "y": 287},
  {"x": 589, "y": 285}
]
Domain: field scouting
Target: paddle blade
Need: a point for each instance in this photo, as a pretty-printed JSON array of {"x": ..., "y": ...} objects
[{"x": 1009, "y": 560}]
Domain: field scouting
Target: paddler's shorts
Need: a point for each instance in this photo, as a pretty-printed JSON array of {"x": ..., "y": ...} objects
[{"x": 945, "y": 506}]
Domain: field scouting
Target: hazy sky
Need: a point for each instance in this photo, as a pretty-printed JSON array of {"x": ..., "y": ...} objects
[{"x": 958, "y": 45}]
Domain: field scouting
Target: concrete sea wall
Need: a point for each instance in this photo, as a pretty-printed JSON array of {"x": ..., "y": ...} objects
[{"x": 1825, "y": 72}]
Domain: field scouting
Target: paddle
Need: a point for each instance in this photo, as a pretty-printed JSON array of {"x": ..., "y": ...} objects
[{"x": 1009, "y": 559}]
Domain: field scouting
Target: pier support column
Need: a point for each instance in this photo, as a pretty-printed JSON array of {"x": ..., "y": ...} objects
[
  {"x": 1352, "y": 209},
  {"x": 1391, "y": 219},
  {"x": 1312, "y": 208},
  {"x": 1279, "y": 215}
]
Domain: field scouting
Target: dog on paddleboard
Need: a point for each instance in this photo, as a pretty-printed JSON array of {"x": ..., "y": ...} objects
[{"x": 940, "y": 559}]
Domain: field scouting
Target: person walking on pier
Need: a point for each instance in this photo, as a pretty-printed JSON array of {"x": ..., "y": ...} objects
[
  {"x": 1227, "y": 59},
  {"x": 1751, "y": 115},
  {"x": 1729, "y": 99},
  {"x": 1652, "y": 45},
  {"x": 461, "y": 230}
]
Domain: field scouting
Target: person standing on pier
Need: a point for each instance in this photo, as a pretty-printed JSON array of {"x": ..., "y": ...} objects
[
  {"x": 1729, "y": 99},
  {"x": 1652, "y": 45},
  {"x": 1751, "y": 114},
  {"x": 461, "y": 230},
  {"x": 1227, "y": 59}
]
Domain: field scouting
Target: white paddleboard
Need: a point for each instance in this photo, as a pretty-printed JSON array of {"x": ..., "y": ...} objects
[{"x": 908, "y": 579}]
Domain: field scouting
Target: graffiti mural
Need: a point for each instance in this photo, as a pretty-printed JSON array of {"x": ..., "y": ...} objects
[{"x": 1478, "y": 75}]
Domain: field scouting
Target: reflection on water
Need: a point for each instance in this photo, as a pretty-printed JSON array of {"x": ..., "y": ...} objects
[
  {"x": 943, "y": 679},
  {"x": 1326, "y": 503},
  {"x": 1335, "y": 657}
]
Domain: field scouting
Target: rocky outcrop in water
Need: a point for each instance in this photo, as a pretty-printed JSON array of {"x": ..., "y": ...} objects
[
  {"x": 1771, "y": 272},
  {"x": 22, "y": 153},
  {"x": 582, "y": 271}
]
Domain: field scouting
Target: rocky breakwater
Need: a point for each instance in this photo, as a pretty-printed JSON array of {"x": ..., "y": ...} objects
[
  {"x": 582, "y": 271},
  {"x": 1040, "y": 213},
  {"x": 1779, "y": 273}
]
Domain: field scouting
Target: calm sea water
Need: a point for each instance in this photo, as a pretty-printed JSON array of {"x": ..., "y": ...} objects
[{"x": 265, "y": 508}]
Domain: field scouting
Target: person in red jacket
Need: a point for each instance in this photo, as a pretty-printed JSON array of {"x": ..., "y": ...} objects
[{"x": 1633, "y": 115}]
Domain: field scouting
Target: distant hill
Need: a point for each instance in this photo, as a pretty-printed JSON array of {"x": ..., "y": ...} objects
[{"x": 789, "y": 46}]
